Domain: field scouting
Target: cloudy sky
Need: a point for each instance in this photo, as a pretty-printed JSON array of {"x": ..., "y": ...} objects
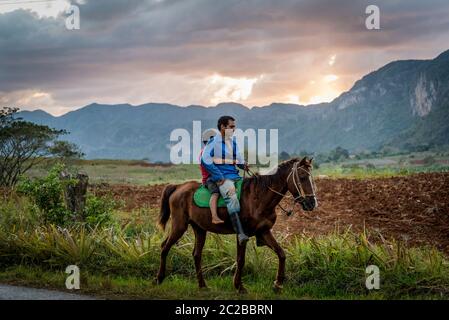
[{"x": 204, "y": 52}]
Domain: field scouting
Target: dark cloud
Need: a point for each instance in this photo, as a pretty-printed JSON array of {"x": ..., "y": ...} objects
[{"x": 144, "y": 41}]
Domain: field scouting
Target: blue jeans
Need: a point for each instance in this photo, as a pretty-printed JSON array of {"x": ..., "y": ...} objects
[{"x": 228, "y": 192}]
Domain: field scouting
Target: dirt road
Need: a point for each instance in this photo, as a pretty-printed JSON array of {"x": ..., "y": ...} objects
[{"x": 8, "y": 292}]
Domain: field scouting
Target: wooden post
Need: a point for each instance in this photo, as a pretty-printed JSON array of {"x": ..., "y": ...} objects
[{"x": 75, "y": 194}]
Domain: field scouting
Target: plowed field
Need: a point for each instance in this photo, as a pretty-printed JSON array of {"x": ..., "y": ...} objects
[{"x": 412, "y": 209}]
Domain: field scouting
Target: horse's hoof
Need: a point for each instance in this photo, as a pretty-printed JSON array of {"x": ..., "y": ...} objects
[{"x": 277, "y": 288}]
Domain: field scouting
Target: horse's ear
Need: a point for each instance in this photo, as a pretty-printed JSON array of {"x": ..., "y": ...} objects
[{"x": 306, "y": 161}]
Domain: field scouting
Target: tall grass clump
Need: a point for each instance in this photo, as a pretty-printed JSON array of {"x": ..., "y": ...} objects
[{"x": 336, "y": 265}]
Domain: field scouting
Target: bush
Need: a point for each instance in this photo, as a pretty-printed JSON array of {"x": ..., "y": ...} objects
[
  {"x": 339, "y": 154},
  {"x": 48, "y": 195},
  {"x": 98, "y": 211}
]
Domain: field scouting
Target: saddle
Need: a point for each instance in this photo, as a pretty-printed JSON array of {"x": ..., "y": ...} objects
[{"x": 201, "y": 196}]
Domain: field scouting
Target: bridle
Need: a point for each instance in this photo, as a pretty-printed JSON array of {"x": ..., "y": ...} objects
[
  {"x": 297, "y": 183},
  {"x": 294, "y": 175}
]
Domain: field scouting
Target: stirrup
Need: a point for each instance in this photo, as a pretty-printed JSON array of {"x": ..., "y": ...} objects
[{"x": 242, "y": 238}]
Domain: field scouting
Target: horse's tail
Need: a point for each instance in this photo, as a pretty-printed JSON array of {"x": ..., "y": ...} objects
[{"x": 164, "y": 213}]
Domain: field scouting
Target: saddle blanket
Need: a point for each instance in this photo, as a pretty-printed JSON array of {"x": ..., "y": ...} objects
[{"x": 201, "y": 196}]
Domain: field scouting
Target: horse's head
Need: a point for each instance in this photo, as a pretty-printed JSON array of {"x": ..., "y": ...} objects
[{"x": 301, "y": 185}]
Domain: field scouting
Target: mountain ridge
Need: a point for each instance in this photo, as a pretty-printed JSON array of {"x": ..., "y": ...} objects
[{"x": 402, "y": 104}]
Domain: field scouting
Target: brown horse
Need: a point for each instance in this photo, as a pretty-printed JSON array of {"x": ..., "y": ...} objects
[{"x": 260, "y": 196}]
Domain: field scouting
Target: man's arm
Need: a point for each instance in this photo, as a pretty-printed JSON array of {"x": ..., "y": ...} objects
[
  {"x": 240, "y": 161},
  {"x": 208, "y": 162},
  {"x": 225, "y": 161}
]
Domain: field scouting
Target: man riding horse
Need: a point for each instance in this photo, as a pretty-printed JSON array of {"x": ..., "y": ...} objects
[
  {"x": 220, "y": 158},
  {"x": 260, "y": 196}
]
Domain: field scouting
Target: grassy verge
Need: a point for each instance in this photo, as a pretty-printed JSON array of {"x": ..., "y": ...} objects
[
  {"x": 114, "y": 263},
  {"x": 174, "y": 287}
]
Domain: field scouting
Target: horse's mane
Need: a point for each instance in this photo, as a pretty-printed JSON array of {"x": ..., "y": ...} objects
[{"x": 267, "y": 180}]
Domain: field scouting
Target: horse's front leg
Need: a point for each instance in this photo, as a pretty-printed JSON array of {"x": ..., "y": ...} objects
[
  {"x": 271, "y": 242},
  {"x": 241, "y": 250}
]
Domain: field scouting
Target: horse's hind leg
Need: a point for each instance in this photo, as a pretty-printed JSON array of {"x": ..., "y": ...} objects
[
  {"x": 200, "y": 239},
  {"x": 175, "y": 234},
  {"x": 271, "y": 242},
  {"x": 241, "y": 250}
]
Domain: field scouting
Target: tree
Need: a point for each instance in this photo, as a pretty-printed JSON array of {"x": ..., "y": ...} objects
[
  {"x": 284, "y": 156},
  {"x": 65, "y": 150},
  {"x": 339, "y": 154},
  {"x": 22, "y": 145}
]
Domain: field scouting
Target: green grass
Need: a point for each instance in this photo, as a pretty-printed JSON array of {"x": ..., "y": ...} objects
[
  {"x": 358, "y": 172},
  {"x": 387, "y": 166},
  {"x": 115, "y": 263},
  {"x": 139, "y": 173},
  {"x": 128, "y": 172},
  {"x": 175, "y": 286}
]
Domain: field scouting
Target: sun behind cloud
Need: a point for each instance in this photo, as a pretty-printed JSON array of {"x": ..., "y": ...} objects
[{"x": 231, "y": 89}]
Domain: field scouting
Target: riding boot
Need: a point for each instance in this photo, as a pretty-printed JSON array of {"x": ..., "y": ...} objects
[{"x": 238, "y": 228}]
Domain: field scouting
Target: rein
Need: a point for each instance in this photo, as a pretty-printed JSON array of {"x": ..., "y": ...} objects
[
  {"x": 287, "y": 212},
  {"x": 297, "y": 183}
]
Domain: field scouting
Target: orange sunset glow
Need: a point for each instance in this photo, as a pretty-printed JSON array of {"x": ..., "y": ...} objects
[{"x": 204, "y": 53}]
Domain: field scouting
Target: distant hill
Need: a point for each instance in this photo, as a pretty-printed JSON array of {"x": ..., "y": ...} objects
[{"x": 401, "y": 105}]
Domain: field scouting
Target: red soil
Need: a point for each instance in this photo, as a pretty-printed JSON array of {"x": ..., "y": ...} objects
[{"x": 412, "y": 209}]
